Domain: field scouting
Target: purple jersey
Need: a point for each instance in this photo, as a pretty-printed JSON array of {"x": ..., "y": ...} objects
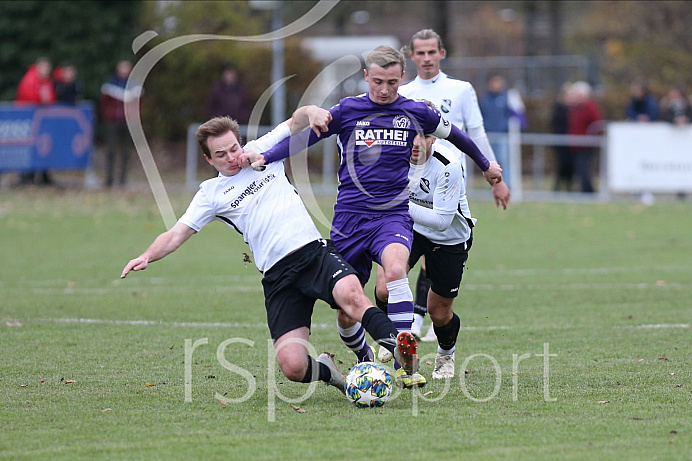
[{"x": 375, "y": 143}]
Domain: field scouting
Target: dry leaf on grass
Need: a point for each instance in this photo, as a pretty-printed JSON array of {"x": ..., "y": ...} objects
[
  {"x": 297, "y": 408},
  {"x": 149, "y": 384},
  {"x": 223, "y": 404},
  {"x": 23, "y": 385},
  {"x": 69, "y": 381},
  {"x": 640, "y": 360},
  {"x": 40, "y": 380},
  {"x": 663, "y": 358},
  {"x": 604, "y": 401},
  {"x": 107, "y": 409},
  {"x": 429, "y": 392}
]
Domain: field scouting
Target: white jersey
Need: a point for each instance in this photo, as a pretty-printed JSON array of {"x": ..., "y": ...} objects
[
  {"x": 438, "y": 185},
  {"x": 458, "y": 103},
  {"x": 263, "y": 207}
]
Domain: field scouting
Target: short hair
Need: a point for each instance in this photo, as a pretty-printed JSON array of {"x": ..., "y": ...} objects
[
  {"x": 217, "y": 126},
  {"x": 385, "y": 56},
  {"x": 423, "y": 34},
  {"x": 428, "y": 102}
]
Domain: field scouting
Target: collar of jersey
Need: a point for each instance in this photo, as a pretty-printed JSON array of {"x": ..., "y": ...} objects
[{"x": 431, "y": 81}]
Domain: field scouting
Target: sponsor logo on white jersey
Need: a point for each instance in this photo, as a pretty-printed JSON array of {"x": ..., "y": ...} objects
[
  {"x": 381, "y": 136},
  {"x": 401, "y": 121},
  {"x": 228, "y": 190}
]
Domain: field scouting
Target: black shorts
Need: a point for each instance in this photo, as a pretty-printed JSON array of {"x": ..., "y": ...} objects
[
  {"x": 444, "y": 264},
  {"x": 292, "y": 285}
]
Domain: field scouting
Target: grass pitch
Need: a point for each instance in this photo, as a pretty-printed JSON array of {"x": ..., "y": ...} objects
[{"x": 575, "y": 342}]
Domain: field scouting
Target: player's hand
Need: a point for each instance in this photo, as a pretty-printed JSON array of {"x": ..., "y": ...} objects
[
  {"x": 253, "y": 159},
  {"x": 501, "y": 194},
  {"x": 137, "y": 264},
  {"x": 319, "y": 119},
  {"x": 493, "y": 174}
]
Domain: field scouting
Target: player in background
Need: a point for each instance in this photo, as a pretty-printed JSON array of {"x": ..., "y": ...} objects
[
  {"x": 298, "y": 265},
  {"x": 457, "y": 101},
  {"x": 371, "y": 220},
  {"x": 442, "y": 234}
]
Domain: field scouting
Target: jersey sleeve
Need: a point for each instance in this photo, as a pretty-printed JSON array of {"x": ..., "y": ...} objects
[
  {"x": 199, "y": 213},
  {"x": 470, "y": 110},
  {"x": 445, "y": 200},
  {"x": 269, "y": 140},
  {"x": 300, "y": 141}
]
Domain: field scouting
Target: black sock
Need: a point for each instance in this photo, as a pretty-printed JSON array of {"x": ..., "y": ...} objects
[
  {"x": 379, "y": 303},
  {"x": 323, "y": 373},
  {"x": 380, "y": 328},
  {"x": 447, "y": 335},
  {"x": 420, "y": 306}
]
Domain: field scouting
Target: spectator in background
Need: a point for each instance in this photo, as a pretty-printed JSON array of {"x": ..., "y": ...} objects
[
  {"x": 114, "y": 95},
  {"x": 68, "y": 88},
  {"x": 229, "y": 97},
  {"x": 498, "y": 105},
  {"x": 564, "y": 160},
  {"x": 36, "y": 87},
  {"x": 676, "y": 107},
  {"x": 643, "y": 106},
  {"x": 582, "y": 116}
]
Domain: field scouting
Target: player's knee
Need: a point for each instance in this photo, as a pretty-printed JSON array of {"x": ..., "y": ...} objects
[
  {"x": 349, "y": 295},
  {"x": 293, "y": 368}
]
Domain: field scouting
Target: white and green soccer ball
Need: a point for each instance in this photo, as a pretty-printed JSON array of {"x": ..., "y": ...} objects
[{"x": 368, "y": 385}]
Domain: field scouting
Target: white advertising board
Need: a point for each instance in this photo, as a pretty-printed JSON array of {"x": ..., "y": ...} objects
[{"x": 649, "y": 157}]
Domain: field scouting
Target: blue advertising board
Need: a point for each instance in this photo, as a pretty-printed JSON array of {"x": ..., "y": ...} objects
[{"x": 52, "y": 137}]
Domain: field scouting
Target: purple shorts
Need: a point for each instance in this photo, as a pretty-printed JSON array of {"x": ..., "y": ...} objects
[{"x": 361, "y": 237}]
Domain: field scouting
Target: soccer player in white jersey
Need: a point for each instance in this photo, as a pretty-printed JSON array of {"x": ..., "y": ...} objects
[
  {"x": 299, "y": 266},
  {"x": 442, "y": 234},
  {"x": 457, "y": 101}
]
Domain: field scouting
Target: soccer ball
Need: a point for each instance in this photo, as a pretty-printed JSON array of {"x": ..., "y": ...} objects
[{"x": 368, "y": 385}]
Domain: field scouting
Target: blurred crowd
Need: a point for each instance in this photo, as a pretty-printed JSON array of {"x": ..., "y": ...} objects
[{"x": 576, "y": 112}]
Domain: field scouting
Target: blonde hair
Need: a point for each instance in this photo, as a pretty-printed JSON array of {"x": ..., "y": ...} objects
[
  {"x": 385, "y": 56},
  {"x": 217, "y": 126}
]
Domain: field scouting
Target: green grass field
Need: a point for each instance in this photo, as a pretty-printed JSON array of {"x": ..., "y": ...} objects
[{"x": 604, "y": 289}]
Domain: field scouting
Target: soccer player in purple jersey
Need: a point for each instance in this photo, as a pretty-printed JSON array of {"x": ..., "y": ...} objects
[{"x": 371, "y": 221}]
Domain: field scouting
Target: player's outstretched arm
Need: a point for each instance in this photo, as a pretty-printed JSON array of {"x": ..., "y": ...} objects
[
  {"x": 310, "y": 116},
  {"x": 164, "y": 244}
]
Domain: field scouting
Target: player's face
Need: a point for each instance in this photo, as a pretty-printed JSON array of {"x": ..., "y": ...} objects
[
  {"x": 422, "y": 148},
  {"x": 224, "y": 150},
  {"x": 383, "y": 84},
  {"x": 427, "y": 56}
]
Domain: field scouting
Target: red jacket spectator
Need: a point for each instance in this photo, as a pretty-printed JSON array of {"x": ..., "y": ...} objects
[{"x": 36, "y": 87}]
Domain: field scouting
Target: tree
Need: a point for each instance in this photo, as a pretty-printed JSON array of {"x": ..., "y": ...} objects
[
  {"x": 176, "y": 89},
  {"x": 91, "y": 35}
]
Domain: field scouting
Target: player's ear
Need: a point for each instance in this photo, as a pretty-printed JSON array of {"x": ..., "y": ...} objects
[
  {"x": 443, "y": 53},
  {"x": 365, "y": 73}
]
